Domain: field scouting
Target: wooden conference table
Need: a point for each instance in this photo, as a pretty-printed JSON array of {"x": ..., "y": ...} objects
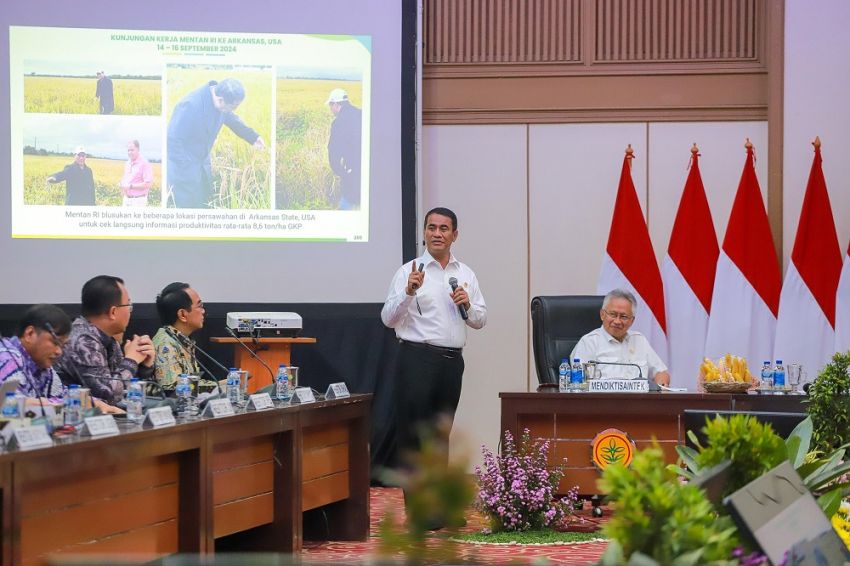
[
  {"x": 149, "y": 493},
  {"x": 572, "y": 420}
]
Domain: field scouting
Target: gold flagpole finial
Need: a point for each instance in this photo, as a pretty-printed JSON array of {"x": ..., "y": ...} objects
[
  {"x": 816, "y": 143},
  {"x": 630, "y": 153},
  {"x": 749, "y": 144},
  {"x": 694, "y": 149}
]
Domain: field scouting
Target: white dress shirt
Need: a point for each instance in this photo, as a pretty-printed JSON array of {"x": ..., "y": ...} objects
[
  {"x": 440, "y": 323},
  {"x": 634, "y": 349}
]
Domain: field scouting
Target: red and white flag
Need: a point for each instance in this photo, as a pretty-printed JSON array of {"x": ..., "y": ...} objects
[
  {"x": 805, "y": 331},
  {"x": 688, "y": 275},
  {"x": 748, "y": 280},
  {"x": 630, "y": 262},
  {"x": 842, "y": 308}
]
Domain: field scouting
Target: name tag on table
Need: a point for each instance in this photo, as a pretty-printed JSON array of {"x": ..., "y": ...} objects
[
  {"x": 157, "y": 417},
  {"x": 103, "y": 425},
  {"x": 260, "y": 402},
  {"x": 27, "y": 437},
  {"x": 302, "y": 395},
  {"x": 618, "y": 386},
  {"x": 217, "y": 408},
  {"x": 337, "y": 391}
]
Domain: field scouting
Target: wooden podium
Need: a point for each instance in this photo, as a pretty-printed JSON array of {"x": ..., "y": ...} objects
[{"x": 273, "y": 351}]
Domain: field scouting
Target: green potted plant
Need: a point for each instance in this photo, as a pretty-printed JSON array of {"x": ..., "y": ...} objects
[{"x": 829, "y": 404}]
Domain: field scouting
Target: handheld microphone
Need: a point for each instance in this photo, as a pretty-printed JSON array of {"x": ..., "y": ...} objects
[
  {"x": 190, "y": 344},
  {"x": 251, "y": 352},
  {"x": 421, "y": 267},
  {"x": 463, "y": 314}
]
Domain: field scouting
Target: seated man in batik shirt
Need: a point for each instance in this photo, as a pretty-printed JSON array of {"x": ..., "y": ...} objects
[
  {"x": 92, "y": 357},
  {"x": 28, "y": 357},
  {"x": 181, "y": 312}
]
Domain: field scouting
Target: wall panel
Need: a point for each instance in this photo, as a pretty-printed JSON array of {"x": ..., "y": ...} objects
[{"x": 480, "y": 173}]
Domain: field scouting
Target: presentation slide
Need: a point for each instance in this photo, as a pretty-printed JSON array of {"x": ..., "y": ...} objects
[
  {"x": 263, "y": 152},
  {"x": 140, "y": 134}
]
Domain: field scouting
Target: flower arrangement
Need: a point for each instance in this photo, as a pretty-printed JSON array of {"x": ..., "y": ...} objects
[{"x": 517, "y": 488}]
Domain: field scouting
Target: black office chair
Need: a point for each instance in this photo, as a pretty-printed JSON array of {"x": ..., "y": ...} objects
[{"x": 557, "y": 324}]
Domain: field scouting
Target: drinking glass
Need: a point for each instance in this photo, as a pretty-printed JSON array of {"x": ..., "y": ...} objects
[
  {"x": 243, "y": 385},
  {"x": 795, "y": 376},
  {"x": 293, "y": 379}
]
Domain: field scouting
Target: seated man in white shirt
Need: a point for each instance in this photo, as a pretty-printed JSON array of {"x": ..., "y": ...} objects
[{"x": 614, "y": 343}]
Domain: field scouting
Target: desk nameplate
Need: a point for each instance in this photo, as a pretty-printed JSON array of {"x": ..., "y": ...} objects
[
  {"x": 618, "y": 386},
  {"x": 103, "y": 425}
]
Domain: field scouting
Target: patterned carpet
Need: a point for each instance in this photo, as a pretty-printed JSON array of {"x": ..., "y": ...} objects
[{"x": 390, "y": 499}]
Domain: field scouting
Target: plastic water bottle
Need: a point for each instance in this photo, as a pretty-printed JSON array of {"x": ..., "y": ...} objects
[
  {"x": 135, "y": 401},
  {"x": 577, "y": 375},
  {"x": 10, "y": 406},
  {"x": 779, "y": 375},
  {"x": 564, "y": 377},
  {"x": 234, "y": 392},
  {"x": 282, "y": 383},
  {"x": 767, "y": 375},
  {"x": 184, "y": 396},
  {"x": 72, "y": 412}
]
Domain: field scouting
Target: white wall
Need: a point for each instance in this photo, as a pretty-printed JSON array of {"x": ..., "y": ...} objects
[
  {"x": 535, "y": 205},
  {"x": 480, "y": 173}
]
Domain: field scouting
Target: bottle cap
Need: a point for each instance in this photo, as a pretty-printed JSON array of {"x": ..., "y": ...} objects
[
  {"x": 233, "y": 369},
  {"x": 10, "y": 394},
  {"x": 576, "y": 360},
  {"x": 779, "y": 361},
  {"x": 565, "y": 360}
]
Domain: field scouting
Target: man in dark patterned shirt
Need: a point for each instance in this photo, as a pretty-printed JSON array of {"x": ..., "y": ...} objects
[{"x": 92, "y": 357}]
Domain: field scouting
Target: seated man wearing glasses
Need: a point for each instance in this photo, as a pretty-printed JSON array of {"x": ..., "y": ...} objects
[
  {"x": 92, "y": 357},
  {"x": 613, "y": 343},
  {"x": 181, "y": 312},
  {"x": 28, "y": 357}
]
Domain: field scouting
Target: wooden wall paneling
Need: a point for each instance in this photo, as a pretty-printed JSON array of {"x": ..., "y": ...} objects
[
  {"x": 9, "y": 535},
  {"x": 346, "y": 490}
]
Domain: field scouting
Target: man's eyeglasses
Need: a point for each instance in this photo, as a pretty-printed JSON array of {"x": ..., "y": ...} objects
[
  {"x": 128, "y": 305},
  {"x": 60, "y": 342},
  {"x": 200, "y": 305},
  {"x": 618, "y": 316}
]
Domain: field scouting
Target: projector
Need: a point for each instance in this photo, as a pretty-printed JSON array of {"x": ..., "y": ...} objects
[{"x": 268, "y": 324}]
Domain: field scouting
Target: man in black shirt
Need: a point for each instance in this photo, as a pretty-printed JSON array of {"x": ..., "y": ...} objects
[
  {"x": 79, "y": 180},
  {"x": 344, "y": 147}
]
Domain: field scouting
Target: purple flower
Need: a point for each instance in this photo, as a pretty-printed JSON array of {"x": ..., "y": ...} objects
[{"x": 516, "y": 488}]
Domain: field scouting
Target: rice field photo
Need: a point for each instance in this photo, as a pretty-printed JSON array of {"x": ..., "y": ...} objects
[
  {"x": 76, "y": 95},
  {"x": 107, "y": 175},
  {"x": 240, "y": 172},
  {"x": 304, "y": 179}
]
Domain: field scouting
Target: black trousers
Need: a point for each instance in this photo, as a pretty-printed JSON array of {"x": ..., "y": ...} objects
[{"x": 428, "y": 383}]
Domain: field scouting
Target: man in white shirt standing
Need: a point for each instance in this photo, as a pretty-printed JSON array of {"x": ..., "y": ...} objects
[
  {"x": 426, "y": 304},
  {"x": 614, "y": 343}
]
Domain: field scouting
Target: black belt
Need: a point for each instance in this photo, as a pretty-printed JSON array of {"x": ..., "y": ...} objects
[{"x": 442, "y": 350}]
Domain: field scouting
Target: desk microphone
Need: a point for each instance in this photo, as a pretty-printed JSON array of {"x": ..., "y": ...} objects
[
  {"x": 626, "y": 364},
  {"x": 463, "y": 314},
  {"x": 190, "y": 345},
  {"x": 250, "y": 351}
]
